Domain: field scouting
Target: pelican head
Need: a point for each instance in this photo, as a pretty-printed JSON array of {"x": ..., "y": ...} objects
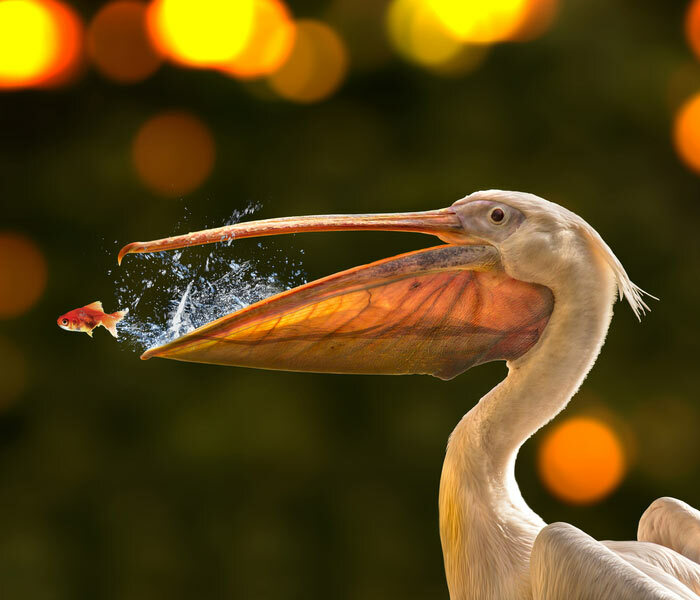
[{"x": 538, "y": 240}]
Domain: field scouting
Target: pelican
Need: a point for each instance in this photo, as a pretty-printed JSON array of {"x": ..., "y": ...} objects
[{"x": 519, "y": 279}]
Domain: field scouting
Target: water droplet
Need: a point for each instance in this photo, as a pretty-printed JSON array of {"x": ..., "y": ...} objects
[{"x": 175, "y": 298}]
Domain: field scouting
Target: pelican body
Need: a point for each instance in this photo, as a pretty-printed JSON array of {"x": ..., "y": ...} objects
[{"x": 520, "y": 279}]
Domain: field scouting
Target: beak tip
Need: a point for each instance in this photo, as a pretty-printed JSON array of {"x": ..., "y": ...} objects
[{"x": 128, "y": 249}]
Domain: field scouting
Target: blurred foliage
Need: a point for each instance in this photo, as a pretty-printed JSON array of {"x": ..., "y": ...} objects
[{"x": 123, "y": 479}]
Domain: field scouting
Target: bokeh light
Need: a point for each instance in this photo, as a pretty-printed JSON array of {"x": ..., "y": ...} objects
[
  {"x": 40, "y": 43},
  {"x": 28, "y": 42},
  {"x": 23, "y": 274},
  {"x": 14, "y": 373},
  {"x": 536, "y": 18},
  {"x": 315, "y": 67},
  {"x": 118, "y": 43},
  {"x": 692, "y": 26},
  {"x": 420, "y": 36},
  {"x": 581, "y": 460},
  {"x": 269, "y": 44},
  {"x": 173, "y": 153},
  {"x": 434, "y": 32},
  {"x": 206, "y": 33},
  {"x": 68, "y": 60},
  {"x": 481, "y": 22},
  {"x": 686, "y": 133}
]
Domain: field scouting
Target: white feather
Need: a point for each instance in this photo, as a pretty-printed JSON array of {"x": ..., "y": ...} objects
[{"x": 488, "y": 532}]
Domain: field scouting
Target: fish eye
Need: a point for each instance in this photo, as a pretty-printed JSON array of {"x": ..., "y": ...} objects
[
  {"x": 64, "y": 322},
  {"x": 497, "y": 215}
]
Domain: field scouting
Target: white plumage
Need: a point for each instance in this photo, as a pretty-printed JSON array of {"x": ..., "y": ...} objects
[{"x": 495, "y": 546}]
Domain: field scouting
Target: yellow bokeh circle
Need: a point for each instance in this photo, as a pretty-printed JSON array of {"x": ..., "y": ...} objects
[
  {"x": 29, "y": 42},
  {"x": 581, "y": 460},
  {"x": 205, "y": 33},
  {"x": 419, "y": 35},
  {"x": 40, "y": 43},
  {"x": 480, "y": 22}
]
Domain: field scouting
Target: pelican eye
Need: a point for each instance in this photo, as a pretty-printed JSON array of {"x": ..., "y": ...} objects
[{"x": 497, "y": 215}]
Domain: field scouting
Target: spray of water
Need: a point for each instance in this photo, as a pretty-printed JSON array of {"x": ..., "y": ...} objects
[{"x": 169, "y": 294}]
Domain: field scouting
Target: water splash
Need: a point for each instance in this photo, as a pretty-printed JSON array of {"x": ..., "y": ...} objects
[{"x": 169, "y": 294}]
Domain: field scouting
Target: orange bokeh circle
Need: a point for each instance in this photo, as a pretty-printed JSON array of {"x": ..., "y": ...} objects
[
  {"x": 692, "y": 26},
  {"x": 316, "y": 66},
  {"x": 173, "y": 153},
  {"x": 581, "y": 460},
  {"x": 269, "y": 44},
  {"x": 686, "y": 133},
  {"x": 537, "y": 17},
  {"x": 118, "y": 42},
  {"x": 23, "y": 274},
  {"x": 71, "y": 35}
]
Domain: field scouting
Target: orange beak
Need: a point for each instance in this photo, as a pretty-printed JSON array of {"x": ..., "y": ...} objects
[{"x": 443, "y": 223}]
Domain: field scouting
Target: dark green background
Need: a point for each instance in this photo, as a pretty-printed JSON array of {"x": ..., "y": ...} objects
[{"x": 125, "y": 479}]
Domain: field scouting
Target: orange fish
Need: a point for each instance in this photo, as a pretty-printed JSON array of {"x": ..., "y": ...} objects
[{"x": 91, "y": 316}]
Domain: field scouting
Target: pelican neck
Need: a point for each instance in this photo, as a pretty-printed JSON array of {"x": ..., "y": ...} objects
[
  {"x": 540, "y": 384},
  {"x": 486, "y": 527}
]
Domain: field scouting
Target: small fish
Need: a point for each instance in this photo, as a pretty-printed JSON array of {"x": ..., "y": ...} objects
[{"x": 91, "y": 316}]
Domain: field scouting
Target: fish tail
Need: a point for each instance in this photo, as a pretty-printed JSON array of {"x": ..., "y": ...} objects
[
  {"x": 111, "y": 326},
  {"x": 109, "y": 322},
  {"x": 119, "y": 315}
]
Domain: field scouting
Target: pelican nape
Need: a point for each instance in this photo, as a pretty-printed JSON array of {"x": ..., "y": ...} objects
[{"x": 521, "y": 279}]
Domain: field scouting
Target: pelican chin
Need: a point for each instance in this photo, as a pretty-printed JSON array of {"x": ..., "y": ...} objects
[{"x": 521, "y": 279}]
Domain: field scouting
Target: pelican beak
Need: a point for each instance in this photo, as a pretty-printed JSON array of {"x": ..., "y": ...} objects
[
  {"x": 439, "y": 310},
  {"x": 443, "y": 223}
]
